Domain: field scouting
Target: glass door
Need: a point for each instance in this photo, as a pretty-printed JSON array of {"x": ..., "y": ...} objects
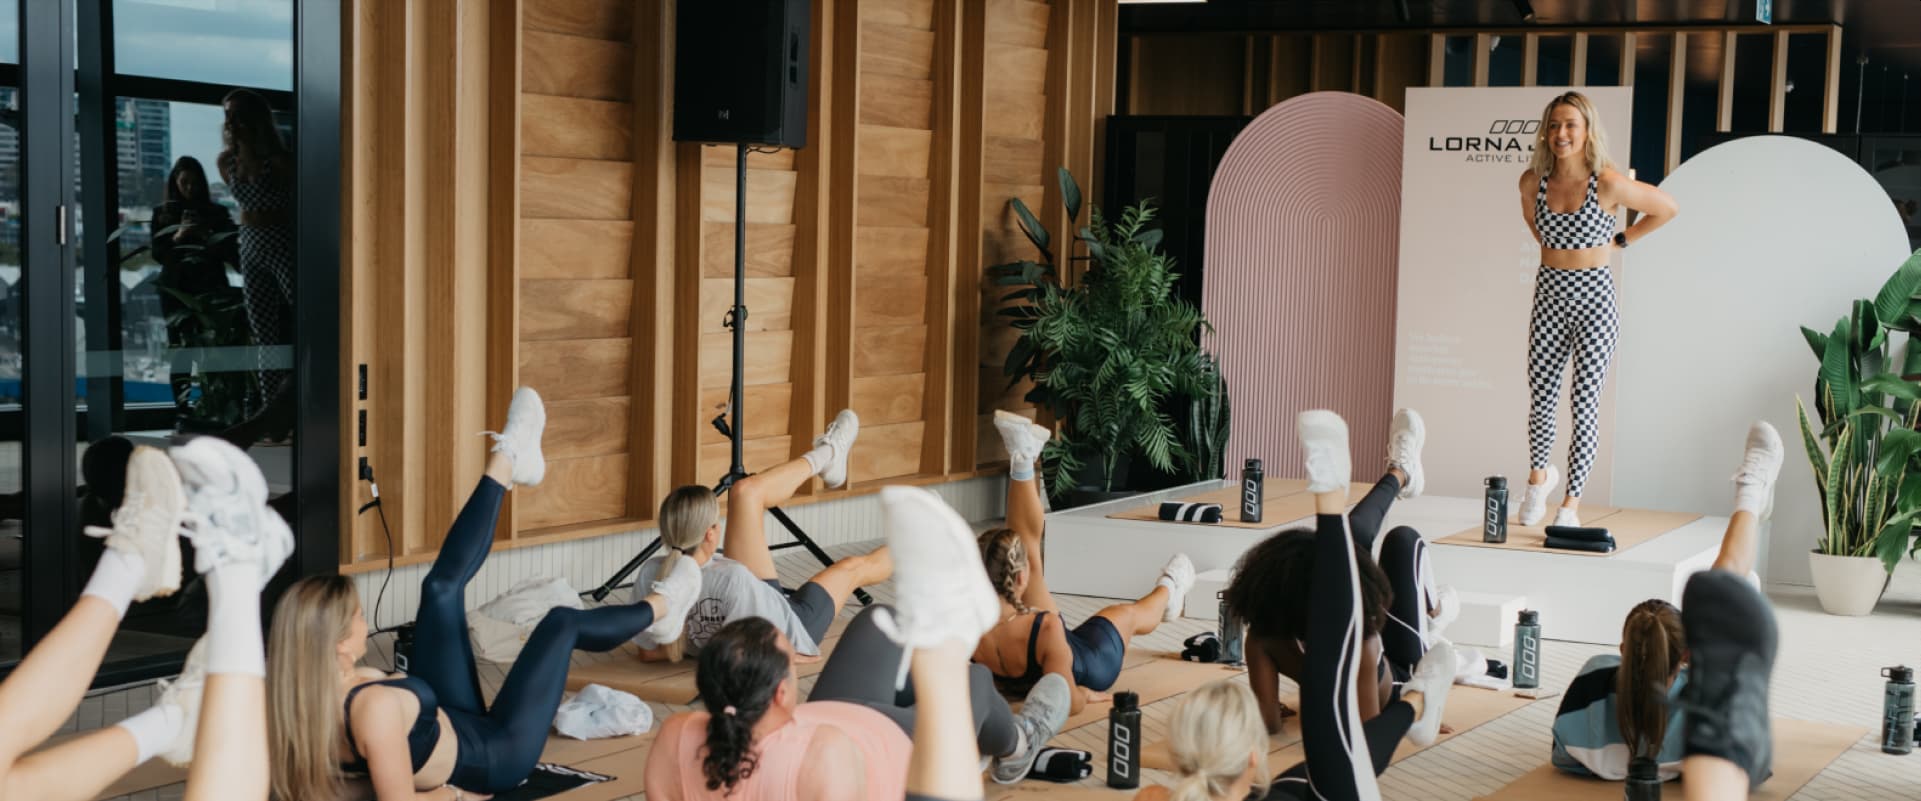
[
  {"x": 13, "y": 572},
  {"x": 1895, "y": 162}
]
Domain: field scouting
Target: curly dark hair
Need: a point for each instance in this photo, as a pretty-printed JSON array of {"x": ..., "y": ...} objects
[
  {"x": 740, "y": 667},
  {"x": 1272, "y": 587}
]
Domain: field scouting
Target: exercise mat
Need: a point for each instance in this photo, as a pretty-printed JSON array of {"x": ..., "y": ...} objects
[
  {"x": 1468, "y": 708},
  {"x": 1283, "y": 500},
  {"x": 1802, "y": 749},
  {"x": 1630, "y": 527},
  {"x": 672, "y": 682},
  {"x": 550, "y": 780},
  {"x": 1154, "y": 676}
]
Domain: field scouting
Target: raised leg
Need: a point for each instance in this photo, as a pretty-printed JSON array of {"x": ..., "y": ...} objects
[
  {"x": 443, "y": 655},
  {"x": 1753, "y": 499},
  {"x": 946, "y": 760},
  {"x": 1365, "y": 518},
  {"x": 1404, "y": 559},
  {"x": 1028, "y": 517},
  {"x": 747, "y": 504},
  {"x": 844, "y": 576}
]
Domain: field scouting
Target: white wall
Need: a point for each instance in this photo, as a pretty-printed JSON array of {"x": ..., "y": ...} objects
[{"x": 1774, "y": 233}]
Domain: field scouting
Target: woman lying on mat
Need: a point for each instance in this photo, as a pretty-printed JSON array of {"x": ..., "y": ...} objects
[
  {"x": 738, "y": 579},
  {"x": 216, "y": 492},
  {"x": 1402, "y": 610},
  {"x": 757, "y": 742},
  {"x": 1624, "y": 707},
  {"x": 429, "y": 734},
  {"x": 1031, "y": 639}
]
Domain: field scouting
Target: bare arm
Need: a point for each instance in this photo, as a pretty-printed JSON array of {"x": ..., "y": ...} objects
[
  {"x": 840, "y": 770},
  {"x": 1656, "y": 207},
  {"x": 1265, "y": 679},
  {"x": 1368, "y": 682},
  {"x": 381, "y": 731},
  {"x": 1530, "y": 183}
]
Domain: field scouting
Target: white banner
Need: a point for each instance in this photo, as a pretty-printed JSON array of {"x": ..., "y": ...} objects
[{"x": 1466, "y": 283}]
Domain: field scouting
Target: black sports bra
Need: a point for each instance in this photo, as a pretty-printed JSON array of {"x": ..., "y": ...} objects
[{"x": 421, "y": 739}]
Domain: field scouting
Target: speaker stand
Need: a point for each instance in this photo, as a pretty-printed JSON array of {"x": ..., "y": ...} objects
[{"x": 735, "y": 322}]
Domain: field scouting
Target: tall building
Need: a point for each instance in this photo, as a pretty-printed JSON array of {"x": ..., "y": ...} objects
[
  {"x": 144, "y": 134},
  {"x": 9, "y": 145}
]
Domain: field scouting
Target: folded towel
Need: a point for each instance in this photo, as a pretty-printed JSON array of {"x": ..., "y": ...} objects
[
  {"x": 1062, "y": 765},
  {"x": 1191, "y": 512},
  {"x": 1202, "y": 647}
]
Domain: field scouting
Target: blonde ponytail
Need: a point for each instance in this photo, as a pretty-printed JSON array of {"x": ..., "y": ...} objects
[
  {"x": 1215, "y": 733},
  {"x": 685, "y": 515}
]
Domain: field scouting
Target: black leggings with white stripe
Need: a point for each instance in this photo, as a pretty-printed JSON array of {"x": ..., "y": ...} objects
[{"x": 1402, "y": 555}]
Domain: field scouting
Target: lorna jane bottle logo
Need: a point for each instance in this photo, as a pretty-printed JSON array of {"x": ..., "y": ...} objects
[
  {"x": 1530, "y": 666},
  {"x": 1123, "y": 759},
  {"x": 1506, "y": 142},
  {"x": 1250, "y": 495},
  {"x": 1493, "y": 515}
]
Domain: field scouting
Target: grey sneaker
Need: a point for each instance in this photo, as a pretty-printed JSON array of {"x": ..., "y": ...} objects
[
  {"x": 148, "y": 521},
  {"x": 183, "y": 693},
  {"x": 1041, "y": 717},
  {"x": 1731, "y": 644}
]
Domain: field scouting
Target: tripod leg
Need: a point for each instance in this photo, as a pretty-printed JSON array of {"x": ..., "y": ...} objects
[{"x": 800, "y": 537}]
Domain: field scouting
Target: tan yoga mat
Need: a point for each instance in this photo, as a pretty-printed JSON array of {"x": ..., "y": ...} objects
[
  {"x": 1283, "y": 500},
  {"x": 1802, "y": 749},
  {"x": 1630, "y": 527},
  {"x": 673, "y": 682},
  {"x": 1468, "y": 708},
  {"x": 1154, "y": 676}
]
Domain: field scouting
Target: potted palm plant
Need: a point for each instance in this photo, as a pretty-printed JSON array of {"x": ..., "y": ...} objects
[
  {"x": 1110, "y": 354},
  {"x": 1866, "y": 452}
]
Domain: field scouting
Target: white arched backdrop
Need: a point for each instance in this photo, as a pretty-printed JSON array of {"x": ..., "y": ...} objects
[
  {"x": 1301, "y": 257},
  {"x": 1774, "y": 233}
]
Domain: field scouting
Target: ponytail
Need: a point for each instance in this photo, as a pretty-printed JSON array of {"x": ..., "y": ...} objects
[
  {"x": 1195, "y": 787},
  {"x": 685, "y": 515},
  {"x": 1652, "y": 644},
  {"x": 1005, "y": 559},
  {"x": 740, "y": 670},
  {"x": 1216, "y": 736}
]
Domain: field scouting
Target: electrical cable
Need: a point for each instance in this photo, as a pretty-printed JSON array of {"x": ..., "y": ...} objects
[{"x": 367, "y": 473}]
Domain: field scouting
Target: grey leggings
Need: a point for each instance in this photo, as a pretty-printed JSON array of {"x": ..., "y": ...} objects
[{"x": 861, "y": 671}]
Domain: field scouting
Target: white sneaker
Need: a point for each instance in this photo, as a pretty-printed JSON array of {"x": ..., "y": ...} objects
[
  {"x": 1022, "y": 437},
  {"x": 1760, "y": 466},
  {"x": 147, "y": 522},
  {"x": 839, "y": 436},
  {"x": 1041, "y": 717},
  {"x": 1323, "y": 438},
  {"x": 520, "y": 437},
  {"x": 1447, "y": 609},
  {"x": 228, "y": 520},
  {"x": 681, "y": 588},
  {"x": 1405, "y": 437},
  {"x": 1567, "y": 517},
  {"x": 1178, "y": 578},
  {"x": 1431, "y": 679},
  {"x": 183, "y": 692},
  {"x": 941, "y": 591},
  {"x": 1534, "y": 501}
]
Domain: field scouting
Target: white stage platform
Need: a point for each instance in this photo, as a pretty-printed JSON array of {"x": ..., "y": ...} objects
[{"x": 1581, "y": 598}]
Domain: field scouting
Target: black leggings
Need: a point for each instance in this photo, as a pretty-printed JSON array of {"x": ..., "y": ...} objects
[
  {"x": 511, "y": 733},
  {"x": 1343, "y": 755},
  {"x": 1402, "y": 555},
  {"x": 862, "y": 668}
]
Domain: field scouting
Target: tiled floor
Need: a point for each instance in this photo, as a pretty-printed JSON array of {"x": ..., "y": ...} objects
[{"x": 1828, "y": 671}]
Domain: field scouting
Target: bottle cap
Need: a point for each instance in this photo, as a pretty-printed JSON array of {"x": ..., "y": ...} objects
[
  {"x": 1126, "y": 701},
  {"x": 1497, "y": 482},
  {"x": 1253, "y": 464},
  {"x": 1899, "y": 673},
  {"x": 1530, "y": 617}
]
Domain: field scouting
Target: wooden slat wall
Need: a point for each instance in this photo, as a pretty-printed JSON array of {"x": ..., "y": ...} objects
[{"x": 519, "y": 214}]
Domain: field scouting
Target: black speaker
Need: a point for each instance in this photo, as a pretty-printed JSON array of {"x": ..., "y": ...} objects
[{"x": 740, "y": 72}]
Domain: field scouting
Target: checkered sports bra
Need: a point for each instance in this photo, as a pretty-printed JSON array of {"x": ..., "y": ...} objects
[{"x": 1589, "y": 226}]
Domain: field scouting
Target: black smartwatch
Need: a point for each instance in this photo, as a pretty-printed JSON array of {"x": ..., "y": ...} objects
[{"x": 1621, "y": 239}]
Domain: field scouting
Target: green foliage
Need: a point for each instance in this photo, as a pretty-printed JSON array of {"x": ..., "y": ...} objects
[
  {"x": 1866, "y": 452},
  {"x": 1110, "y": 353}
]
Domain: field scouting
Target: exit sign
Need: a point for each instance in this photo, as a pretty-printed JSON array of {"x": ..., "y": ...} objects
[{"x": 1764, "y": 11}]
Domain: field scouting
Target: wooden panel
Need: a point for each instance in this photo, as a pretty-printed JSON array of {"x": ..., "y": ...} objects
[
  {"x": 1001, "y": 245},
  {"x": 1018, "y": 22},
  {"x": 880, "y": 400},
  {"x": 995, "y": 210},
  {"x": 575, "y": 188},
  {"x": 889, "y": 351},
  {"x": 881, "y": 253},
  {"x": 596, "y": 427},
  {"x": 768, "y": 354},
  {"x": 770, "y": 249},
  {"x": 996, "y": 394},
  {"x": 1022, "y": 115},
  {"x": 996, "y": 342},
  {"x": 612, "y": 20},
  {"x": 576, "y": 491},
  {"x": 897, "y": 51},
  {"x": 770, "y": 195},
  {"x": 576, "y": 248},
  {"x": 906, "y": 13},
  {"x": 576, "y": 128},
  {"x": 892, "y": 201},
  {"x": 1017, "y": 69},
  {"x": 899, "y": 102},
  {"x": 1677, "y": 91},
  {"x": 756, "y": 455},
  {"x": 770, "y": 304},
  {"x": 768, "y": 408},
  {"x": 1778, "y": 84},
  {"x": 597, "y": 309},
  {"x": 576, "y": 66},
  {"x": 723, "y": 156},
  {"x": 886, "y": 451},
  {"x": 1831, "y": 95},
  {"x": 896, "y": 152},
  {"x": 1011, "y": 161},
  {"x": 894, "y": 302},
  {"x": 576, "y": 368},
  {"x": 1724, "y": 108}
]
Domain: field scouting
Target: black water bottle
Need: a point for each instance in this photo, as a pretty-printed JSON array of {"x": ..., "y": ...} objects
[
  {"x": 1233, "y": 633},
  {"x": 403, "y": 647},
  {"x": 1527, "y": 651},
  {"x": 1251, "y": 476},
  {"x": 1124, "y": 742},
  {"x": 1644, "y": 780},
  {"x": 1897, "y": 711},
  {"x": 1494, "y": 510}
]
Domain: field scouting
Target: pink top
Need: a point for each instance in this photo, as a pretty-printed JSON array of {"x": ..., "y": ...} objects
[{"x": 781, "y": 752}]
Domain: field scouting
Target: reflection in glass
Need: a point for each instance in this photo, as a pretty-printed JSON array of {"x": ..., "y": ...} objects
[
  {"x": 13, "y": 576},
  {"x": 1897, "y": 166},
  {"x": 223, "y": 42}
]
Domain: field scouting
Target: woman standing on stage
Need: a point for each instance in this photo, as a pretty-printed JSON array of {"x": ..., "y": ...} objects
[{"x": 1574, "y": 313}]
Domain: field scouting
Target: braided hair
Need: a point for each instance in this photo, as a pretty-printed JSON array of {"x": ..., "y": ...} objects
[
  {"x": 740, "y": 670},
  {"x": 1006, "y": 560}
]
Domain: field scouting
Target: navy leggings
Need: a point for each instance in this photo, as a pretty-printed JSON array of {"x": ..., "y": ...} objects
[{"x": 512, "y": 732}]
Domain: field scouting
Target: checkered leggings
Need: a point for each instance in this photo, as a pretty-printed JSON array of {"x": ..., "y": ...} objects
[{"x": 1574, "y": 317}]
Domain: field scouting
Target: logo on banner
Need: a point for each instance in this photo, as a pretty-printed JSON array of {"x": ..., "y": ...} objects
[{"x": 1506, "y": 142}]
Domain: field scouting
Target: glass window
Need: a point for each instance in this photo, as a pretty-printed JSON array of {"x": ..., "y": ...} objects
[
  {"x": 226, "y": 42},
  {"x": 13, "y": 575}
]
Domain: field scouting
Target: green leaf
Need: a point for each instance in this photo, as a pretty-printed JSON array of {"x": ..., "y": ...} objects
[
  {"x": 1891, "y": 303},
  {"x": 1032, "y": 227},
  {"x": 1816, "y": 340},
  {"x": 1070, "y": 195},
  {"x": 1891, "y": 541},
  {"x": 1149, "y": 239},
  {"x": 1836, "y": 525},
  {"x": 1892, "y": 385},
  {"x": 1837, "y": 372}
]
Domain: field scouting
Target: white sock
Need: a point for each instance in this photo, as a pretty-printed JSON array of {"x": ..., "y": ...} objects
[
  {"x": 1020, "y": 469},
  {"x": 114, "y": 577},
  {"x": 233, "y": 621},
  {"x": 818, "y": 458},
  {"x": 154, "y": 730},
  {"x": 1750, "y": 497}
]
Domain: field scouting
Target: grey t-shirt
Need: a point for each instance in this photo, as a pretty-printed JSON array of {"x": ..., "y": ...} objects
[{"x": 729, "y": 592}]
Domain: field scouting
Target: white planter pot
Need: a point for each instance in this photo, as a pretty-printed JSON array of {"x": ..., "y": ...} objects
[{"x": 1848, "y": 585}]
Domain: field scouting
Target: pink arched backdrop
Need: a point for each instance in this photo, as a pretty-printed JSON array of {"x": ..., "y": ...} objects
[{"x": 1303, "y": 233}]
